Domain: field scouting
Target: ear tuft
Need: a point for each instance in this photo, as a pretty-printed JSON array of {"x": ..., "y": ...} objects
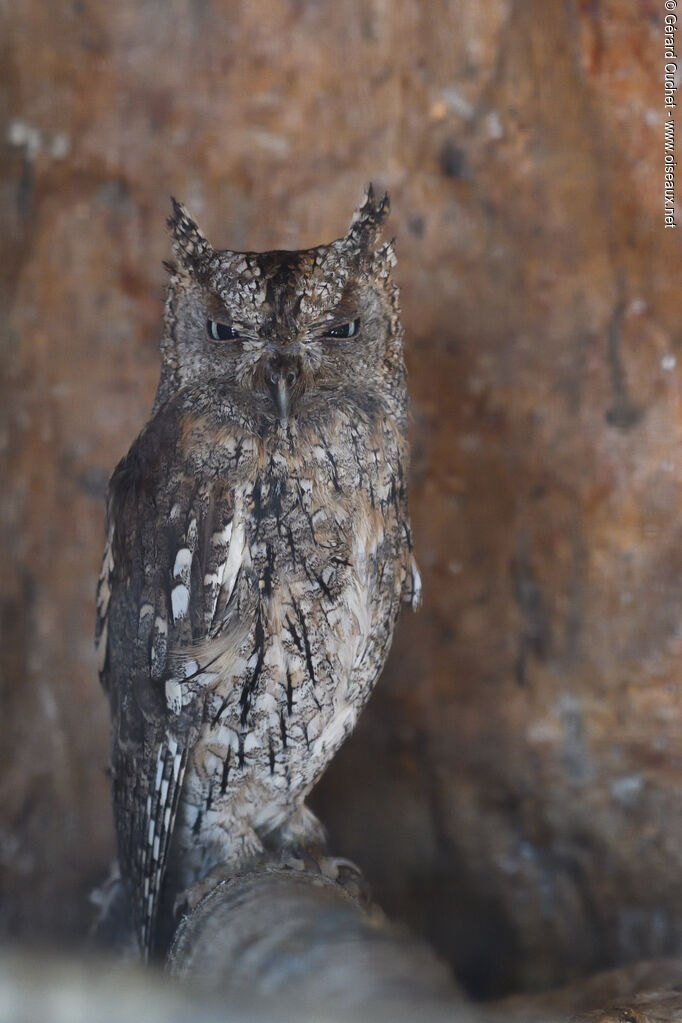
[
  {"x": 368, "y": 219},
  {"x": 189, "y": 244}
]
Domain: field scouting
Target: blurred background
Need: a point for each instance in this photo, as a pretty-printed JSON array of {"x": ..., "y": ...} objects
[{"x": 513, "y": 789}]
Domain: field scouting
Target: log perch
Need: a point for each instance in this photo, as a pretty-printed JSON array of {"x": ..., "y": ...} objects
[{"x": 299, "y": 936}]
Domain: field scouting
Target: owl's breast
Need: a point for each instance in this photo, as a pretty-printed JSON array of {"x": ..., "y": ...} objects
[
  {"x": 320, "y": 529},
  {"x": 311, "y": 575}
]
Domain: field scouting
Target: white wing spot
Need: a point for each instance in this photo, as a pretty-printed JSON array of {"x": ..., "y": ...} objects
[
  {"x": 222, "y": 537},
  {"x": 173, "y": 695},
  {"x": 180, "y": 601},
  {"x": 183, "y": 564},
  {"x": 145, "y": 611}
]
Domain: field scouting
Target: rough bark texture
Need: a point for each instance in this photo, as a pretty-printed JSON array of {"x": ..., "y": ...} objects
[{"x": 513, "y": 788}]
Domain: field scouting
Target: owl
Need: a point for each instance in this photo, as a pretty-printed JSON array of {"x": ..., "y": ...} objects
[{"x": 258, "y": 552}]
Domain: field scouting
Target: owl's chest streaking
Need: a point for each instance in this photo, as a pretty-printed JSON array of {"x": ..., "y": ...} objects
[{"x": 308, "y": 585}]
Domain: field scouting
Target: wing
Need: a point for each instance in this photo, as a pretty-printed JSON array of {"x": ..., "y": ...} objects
[{"x": 161, "y": 584}]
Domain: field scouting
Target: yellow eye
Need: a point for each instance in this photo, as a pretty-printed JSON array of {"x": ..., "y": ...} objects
[
  {"x": 346, "y": 330},
  {"x": 220, "y": 331}
]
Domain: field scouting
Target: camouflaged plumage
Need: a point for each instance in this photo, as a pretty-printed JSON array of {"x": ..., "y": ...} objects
[{"x": 258, "y": 551}]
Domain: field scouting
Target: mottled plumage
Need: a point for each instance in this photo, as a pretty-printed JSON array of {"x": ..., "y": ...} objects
[{"x": 258, "y": 550}]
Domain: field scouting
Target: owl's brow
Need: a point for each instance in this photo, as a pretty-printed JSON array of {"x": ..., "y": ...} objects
[
  {"x": 228, "y": 307},
  {"x": 340, "y": 313}
]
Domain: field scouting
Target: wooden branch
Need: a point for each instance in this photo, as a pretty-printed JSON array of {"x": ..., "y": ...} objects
[{"x": 296, "y": 936}]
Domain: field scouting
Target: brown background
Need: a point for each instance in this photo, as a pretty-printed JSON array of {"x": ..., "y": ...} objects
[{"x": 513, "y": 789}]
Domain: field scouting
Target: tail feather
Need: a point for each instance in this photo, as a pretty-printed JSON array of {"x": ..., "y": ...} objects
[{"x": 161, "y": 810}]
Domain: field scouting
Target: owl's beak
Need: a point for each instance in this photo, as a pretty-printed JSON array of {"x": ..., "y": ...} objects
[
  {"x": 281, "y": 397},
  {"x": 282, "y": 374}
]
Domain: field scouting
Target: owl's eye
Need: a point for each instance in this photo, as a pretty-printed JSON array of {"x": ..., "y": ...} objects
[
  {"x": 345, "y": 330},
  {"x": 220, "y": 331}
]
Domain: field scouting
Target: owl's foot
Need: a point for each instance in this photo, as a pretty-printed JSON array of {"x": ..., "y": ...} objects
[
  {"x": 302, "y": 845},
  {"x": 349, "y": 876},
  {"x": 299, "y": 844},
  {"x": 301, "y": 830}
]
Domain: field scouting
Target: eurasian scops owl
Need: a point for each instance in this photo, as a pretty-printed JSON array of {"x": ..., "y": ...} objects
[{"x": 258, "y": 551}]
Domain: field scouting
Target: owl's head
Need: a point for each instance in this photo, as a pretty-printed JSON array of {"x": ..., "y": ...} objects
[{"x": 286, "y": 330}]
